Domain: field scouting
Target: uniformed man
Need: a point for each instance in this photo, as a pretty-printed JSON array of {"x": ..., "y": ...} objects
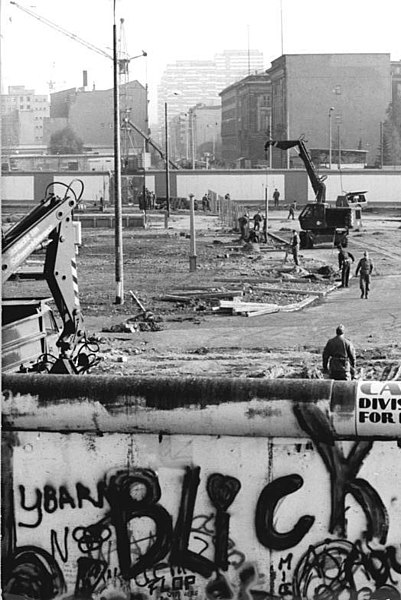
[
  {"x": 364, "y": 268},
  {"x": 339, "y": 358},
  {"x": 295, "y": 242},
  {"x": 345, "y": 260}
]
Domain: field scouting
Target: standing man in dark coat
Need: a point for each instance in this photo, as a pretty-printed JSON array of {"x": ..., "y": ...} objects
[
  {"x": 339, "y": 357},
  {"x": 345, "y": 260},
  {"x": 364, "y": 268},
  {"x": 276, "y": 197},
  {"x": 257, "y": 219},
  {"x": 295, "y": 246}
]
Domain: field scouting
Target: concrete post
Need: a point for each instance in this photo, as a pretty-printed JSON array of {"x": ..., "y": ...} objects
[{"x": 192, "y": 249}]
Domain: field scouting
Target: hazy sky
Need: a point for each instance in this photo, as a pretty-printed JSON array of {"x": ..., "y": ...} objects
[{"x": 33, "y": 53}]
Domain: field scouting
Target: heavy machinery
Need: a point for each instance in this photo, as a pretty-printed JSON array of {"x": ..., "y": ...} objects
[
  {"x": 31, "y": 338},
  {"x": 321, "y": 222}
]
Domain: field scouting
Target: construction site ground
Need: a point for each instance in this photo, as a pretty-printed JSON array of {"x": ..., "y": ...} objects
[{"x": 186, "y": 334}]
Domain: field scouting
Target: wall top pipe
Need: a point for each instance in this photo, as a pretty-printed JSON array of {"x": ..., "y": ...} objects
[{"x": 321, "y": 409}]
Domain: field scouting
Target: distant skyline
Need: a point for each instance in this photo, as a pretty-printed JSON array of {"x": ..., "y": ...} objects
[{"x": 34, "y": 54}]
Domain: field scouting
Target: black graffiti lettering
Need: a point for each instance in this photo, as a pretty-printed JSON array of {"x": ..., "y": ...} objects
[
  {"x": 50, "y": 504},
  {"x": 180, "y": 553},
  {"x": 133, "y": 494},
  {"x": 56, "y": 546},
  {"x": 286, "y": 561},
  {"x": 31, "y": 572},
  {"x": 89, "y": 573},
  {"x": 343, "y": 473},
  {"x": 392, "y": 556},
  {"x": 36, "y": 506},
  {"x": 222, "y": 491},
  {"x": 84, "y": 493},
  {"x": 285, "y": 589},
  {"x": 264, "y": 517},
  {"x": 65, "y": 498}
]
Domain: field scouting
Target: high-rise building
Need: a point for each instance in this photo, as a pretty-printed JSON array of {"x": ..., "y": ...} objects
[
  {"x": 23, "y": 116},
  {"x": 189, "y": 82}
]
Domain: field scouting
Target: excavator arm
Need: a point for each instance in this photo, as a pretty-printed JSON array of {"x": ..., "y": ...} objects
[
  {"x": 50, "y": 225},
  {"x": 317, "y": 182}
]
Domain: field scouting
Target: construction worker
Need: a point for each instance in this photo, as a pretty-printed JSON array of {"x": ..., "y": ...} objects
[
  {"x": 339, "y": 357},
  {"x": 345, "y": 260},
  {"x": 295, "y": 246},
  {"x": 257, "y": 219},
  {"x": 364, "y": 268},
  {"x": 291, "y": 210},
  {"x": 243, "y": 226}
]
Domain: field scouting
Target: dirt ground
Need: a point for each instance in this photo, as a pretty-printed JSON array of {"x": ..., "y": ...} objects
[{"x": 187, "y": 337}]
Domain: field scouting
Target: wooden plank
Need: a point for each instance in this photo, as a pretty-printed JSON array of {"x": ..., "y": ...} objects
[
  {"x": 291, "y": 290},
  {"x": 298, "y": 305},
  {"x": 263, "y": 311}
]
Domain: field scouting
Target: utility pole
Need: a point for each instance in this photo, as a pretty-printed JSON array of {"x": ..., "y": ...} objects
[
  {"x": 119, "y": 276},
  {"x": 167, "y": 159},
  {"x": 330, "y": 137}
]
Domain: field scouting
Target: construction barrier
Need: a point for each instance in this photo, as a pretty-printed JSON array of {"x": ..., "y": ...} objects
[{"x": 123, "y": 488}]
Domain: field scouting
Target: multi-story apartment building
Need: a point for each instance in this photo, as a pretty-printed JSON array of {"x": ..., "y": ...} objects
[
  {"x": 331, "y": 99},
  {"x": 189, "y": 82},
  {"x": 246, "y": 115},
  {"x": 91, "y": 115},
  {"x": 23, "y": 116}
]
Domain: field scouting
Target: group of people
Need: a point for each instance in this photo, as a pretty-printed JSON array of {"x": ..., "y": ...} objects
[
  {"x": 258, "y": 233},
  {"x": 364, "y": 270}
]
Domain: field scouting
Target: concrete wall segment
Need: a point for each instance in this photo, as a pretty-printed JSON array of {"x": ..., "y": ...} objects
[{"x": 127, "y": 509}]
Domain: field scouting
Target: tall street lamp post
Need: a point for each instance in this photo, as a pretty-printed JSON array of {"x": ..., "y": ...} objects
[
  {"x": 330, "y": 136},
  {"x": 167, "y": 165},
  {"x": 119, "y": 276}
]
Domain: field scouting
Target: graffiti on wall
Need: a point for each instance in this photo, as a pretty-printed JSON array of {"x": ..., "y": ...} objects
[{"x": 140, "y": 549}]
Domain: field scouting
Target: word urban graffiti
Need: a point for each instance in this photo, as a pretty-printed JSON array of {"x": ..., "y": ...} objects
[{"x": 51, "y": 499}]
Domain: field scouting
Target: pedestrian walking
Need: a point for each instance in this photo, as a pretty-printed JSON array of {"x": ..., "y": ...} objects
[
  {"x": 204, "y": 202},
  {"x": 257, "y": 219},
  {"x": 295, "y": 246},
  {"x": 345, "y": 260},
  {"x": 364, "y": 268},
  {"x": 291, "y": 210},
  {"x": 339, "y": 357},
  {"x": 276, "y": 197}
]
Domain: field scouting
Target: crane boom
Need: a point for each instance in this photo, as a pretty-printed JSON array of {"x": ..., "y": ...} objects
[
  {"x": 69, "y": 34},
  {"x": 149, "y": 140},
  {"x": 317, "y": 182}
]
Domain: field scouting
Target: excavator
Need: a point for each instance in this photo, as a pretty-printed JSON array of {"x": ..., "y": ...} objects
[
  {"x": 321, "y": 222},
  {"x": 32, "y": 341}
]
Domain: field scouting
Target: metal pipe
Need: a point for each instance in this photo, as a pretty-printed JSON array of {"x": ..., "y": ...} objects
[{"x": 207, "y": 406}]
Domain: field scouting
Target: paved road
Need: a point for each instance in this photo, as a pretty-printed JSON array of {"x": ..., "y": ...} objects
[{"x": 369, "y": 323}]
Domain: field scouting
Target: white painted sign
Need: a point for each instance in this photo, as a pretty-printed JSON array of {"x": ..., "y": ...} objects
[{"x": 378, "y": 407}]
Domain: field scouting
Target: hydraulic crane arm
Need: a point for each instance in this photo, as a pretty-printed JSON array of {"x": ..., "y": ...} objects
[
  {"x": 50, "y": 225},
  {"x": 317, "y": 182},
  {"x": 149, "y": 140}
]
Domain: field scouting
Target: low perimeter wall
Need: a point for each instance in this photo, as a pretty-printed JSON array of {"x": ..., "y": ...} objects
[{"x": 125, "y": 488}]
